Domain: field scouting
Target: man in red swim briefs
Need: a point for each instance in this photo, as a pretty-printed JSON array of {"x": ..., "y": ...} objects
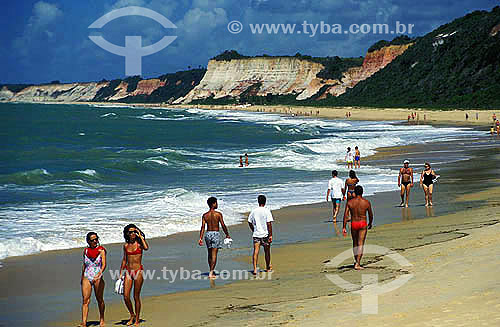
[{"x": 357, "y": 207}]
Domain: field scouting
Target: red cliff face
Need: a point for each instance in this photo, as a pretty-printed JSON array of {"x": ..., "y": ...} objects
[
  {"x": 147, "y": 86},
  {"x": 374, "y": 61}
]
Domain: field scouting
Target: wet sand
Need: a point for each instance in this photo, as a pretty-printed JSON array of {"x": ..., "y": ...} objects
[{"x": 447, "y": 250}]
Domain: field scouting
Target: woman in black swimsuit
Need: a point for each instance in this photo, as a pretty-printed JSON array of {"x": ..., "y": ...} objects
[{"x": 427, "y": 184}]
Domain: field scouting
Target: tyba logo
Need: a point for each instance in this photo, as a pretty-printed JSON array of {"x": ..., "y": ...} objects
[
  {"x": 133, "y": 51},
  {"x": 370, "y": 289}
]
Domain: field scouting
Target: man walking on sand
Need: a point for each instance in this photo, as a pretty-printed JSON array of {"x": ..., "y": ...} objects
[
  {"x": 357, "y": 208},
  {"x": 336, "y": 192},
  {"x": 212, "y": 219},
  {"x": 405, "y": 182},
  {"x": 260, "y": 223}
]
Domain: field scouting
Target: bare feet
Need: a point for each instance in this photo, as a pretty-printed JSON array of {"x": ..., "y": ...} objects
[
  {"x": 401, "y": 204},
  {"x": 102, "y": 323},
  {"x": 137, "y": 321},
  {"x": 270, "y": 268},
  {"x": 357, "y": 266},
  {"x": 406, "y": 206},
  {"x": 211, "y": 275},
  {"x": 131, "y": 321},
  {"x": 430, "y": 204},
  {"x": 83, "y": 324}
]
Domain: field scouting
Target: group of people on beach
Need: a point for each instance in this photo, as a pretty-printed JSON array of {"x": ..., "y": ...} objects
[
  {"x": 357, "y": 208},
  {"x": 259, "y": 221},
  {"x": 131, "y": 269}
]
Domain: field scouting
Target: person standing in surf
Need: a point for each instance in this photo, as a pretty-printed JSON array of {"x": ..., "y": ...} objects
[
  {"x": 212, "y": 219},
  {"x": 405, "y": 182},
  {"x": 357, "y": 157},
  {"x": 357, "y": 209},
  {"x": 349, "y": 158}
]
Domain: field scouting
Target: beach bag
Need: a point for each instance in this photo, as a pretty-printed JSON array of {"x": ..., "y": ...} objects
[{"x": 119, "y": 286}]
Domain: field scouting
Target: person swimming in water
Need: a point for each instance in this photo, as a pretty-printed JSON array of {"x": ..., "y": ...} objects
[{"x": 94, "y": 264}]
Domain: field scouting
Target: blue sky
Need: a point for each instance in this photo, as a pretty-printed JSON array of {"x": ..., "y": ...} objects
[{"x": 45, "y": 40}]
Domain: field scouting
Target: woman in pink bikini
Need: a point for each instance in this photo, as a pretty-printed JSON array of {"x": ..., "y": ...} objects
[
  {"x": 135, "y": 243},
  {"x": 94, "y": 263}
]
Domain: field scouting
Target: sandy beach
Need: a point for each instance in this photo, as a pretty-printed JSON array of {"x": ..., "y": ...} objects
[
  {"x": 297, "y": 293},
  {"x": 452, "y": 252},
  {"x": 434, "y": 116}
]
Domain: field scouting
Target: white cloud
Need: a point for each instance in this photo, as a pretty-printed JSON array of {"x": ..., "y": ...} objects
[{"x": 43, "y": 17}]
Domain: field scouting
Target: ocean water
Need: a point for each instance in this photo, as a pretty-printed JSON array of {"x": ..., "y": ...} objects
[{"x": 66, "y": 170}]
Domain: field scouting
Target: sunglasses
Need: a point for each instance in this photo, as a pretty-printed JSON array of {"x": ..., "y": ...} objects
[
  {"x": 94, "y": 240},
  {"x": 132, "y": 232}
]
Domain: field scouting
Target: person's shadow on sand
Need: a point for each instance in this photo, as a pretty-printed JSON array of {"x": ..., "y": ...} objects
[{"x": 124, "y": 322}]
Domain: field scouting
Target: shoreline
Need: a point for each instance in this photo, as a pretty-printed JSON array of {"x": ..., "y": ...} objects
[
  {"x": 432, "y": 116},
  {"x": 311, "y": 219}
]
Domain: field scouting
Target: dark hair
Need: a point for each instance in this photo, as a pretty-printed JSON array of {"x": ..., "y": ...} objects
[
  {"x": 358, "y": 190},
  {"x": 89, "y": 234},
  {"x": 348, "y": 148},
  {"x": 211, "y": 201},
  {"x": 356, "y": 147},
  {"x": 334, "y": 173},
  {"x": 125, "y": 232},
  {"x": 427, "y": 164},
  {"x": 352, "y": 174},
  {"x": 261, "y": 199}
]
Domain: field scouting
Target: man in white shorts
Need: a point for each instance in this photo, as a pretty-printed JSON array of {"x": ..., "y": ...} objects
[
  {"x": 336, "y": 191},
  {"x": 260, "y": 222}
]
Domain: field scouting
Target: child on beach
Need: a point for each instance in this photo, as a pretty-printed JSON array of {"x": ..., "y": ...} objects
[
  {"x": 349, "y": 158},
  {"x": 357, "y": 157},
  {"x": 94, "y": 264},
  {"x": 213, "y": 241},
  {"x": 132, "y": 269},
  {"x": 260, "y": 223}
]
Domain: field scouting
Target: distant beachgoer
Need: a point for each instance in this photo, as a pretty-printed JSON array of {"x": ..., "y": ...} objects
[
  {"x": 405, "y": 181},
  {"x": 426, "y": 182},
  {"x": 494, "y": 117},
  {"x": 336, "y": 192},
  {"x": 346, "y": 114},
  {"x": 213, "y": 241},
  {"x": 498, "y": 130},
  {"x": 492, "y": 131},
  {"x": 241, "y": 161},
  {"x": 246, "y": 159},
  {"x": 425, "y": 117},
  {"x": 477, "y": 116},
  {"x": 357, "y": 209},
  {"x": 350, "y": 184},
  {"x": 260, "y": 223},
  {"x": 94, "y": 264},
  {"x": 357, "y": 157},
  {"x": 135, "y": 244},
  {"x": 466, "y": 116},
  {"x": 409, "y": 119},
  {"x": 349, "y": 158}
]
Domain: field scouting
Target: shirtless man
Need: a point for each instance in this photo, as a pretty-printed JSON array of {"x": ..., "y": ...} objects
[
  {"x": 405, "y": 181},
  {"x": 357, "y": 208},
  {"x": 357, "y": 157},
  {"x": 212, "y": 219}
]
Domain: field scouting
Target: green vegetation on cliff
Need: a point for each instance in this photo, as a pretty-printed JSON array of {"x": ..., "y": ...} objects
[{"x": 455, "y": 66}]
